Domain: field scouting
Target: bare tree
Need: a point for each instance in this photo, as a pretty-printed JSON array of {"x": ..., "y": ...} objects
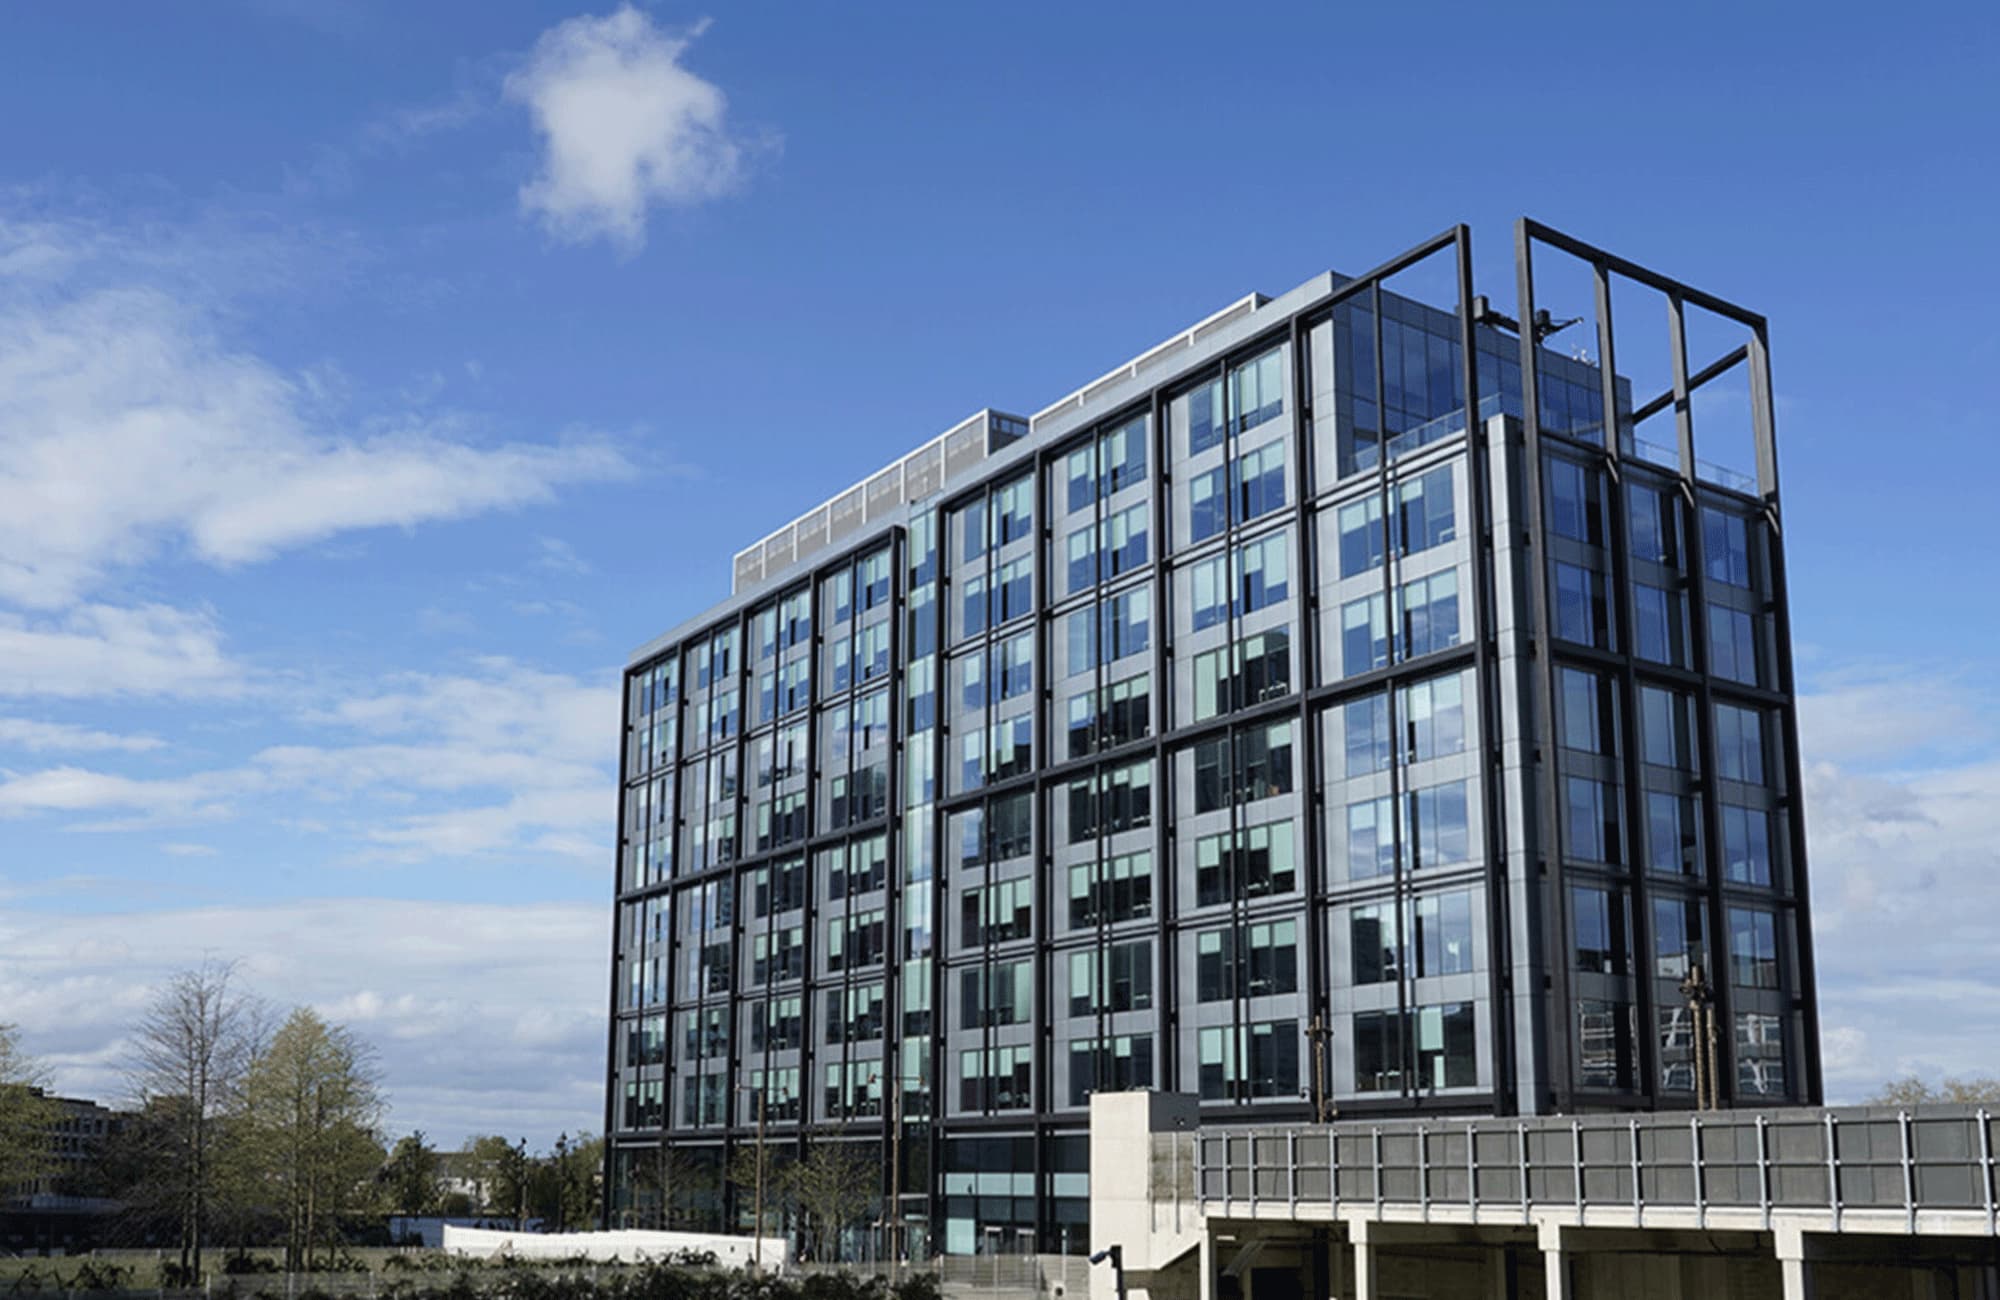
[
  {"x": 26, "y": 1115},
  {"x": 195, "y": 1044},
  {"x": 1913, "y": 1091}
]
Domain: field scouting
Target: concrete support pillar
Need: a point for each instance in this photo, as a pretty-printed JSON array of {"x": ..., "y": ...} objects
[
  {"x": 1367, "y": 1276},
  {"x": 1555, "y": 1262},
  {"x": 1795, "y": 1272},
  {"x": 1205, "y": 1258}
]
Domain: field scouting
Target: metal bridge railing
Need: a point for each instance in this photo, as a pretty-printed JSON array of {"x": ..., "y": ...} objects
[{"x": 1859, "y": 1158}]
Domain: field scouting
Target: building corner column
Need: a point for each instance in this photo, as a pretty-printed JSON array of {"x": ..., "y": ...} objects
[
  {"x": 1367, "y": 1277},
  {"x": 1555, "y": 1261},
  {"x": 1795, "y": 1272}
]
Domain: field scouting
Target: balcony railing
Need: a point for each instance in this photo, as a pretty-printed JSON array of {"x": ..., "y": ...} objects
[{"x": 1935, "y": 1158}]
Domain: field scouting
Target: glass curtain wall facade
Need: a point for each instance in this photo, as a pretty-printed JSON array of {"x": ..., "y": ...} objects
[{"x": 1266, "y": 730}]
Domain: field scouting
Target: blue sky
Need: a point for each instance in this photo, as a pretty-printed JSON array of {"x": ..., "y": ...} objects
[{"x": 373, "y": 378}]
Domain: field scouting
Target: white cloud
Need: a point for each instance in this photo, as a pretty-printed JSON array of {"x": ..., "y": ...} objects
[
  {"x": 500, "y": 759},
  {"x": 108, "y": 650},
  {"x": 129, "y": 426},
  {"x": 1905, "y": 880},
  {"x": 623, "y": 126},
  {"x": 75, "y": 789},
  {"x": 486, "y": 1016},
  {"x": 61, "y": 737}
]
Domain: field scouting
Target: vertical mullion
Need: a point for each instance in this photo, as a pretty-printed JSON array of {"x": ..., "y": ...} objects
[
  {"x": 1807, "y": 993},
  {"x": 1547, "y": 922},
  {"x": 1632, "y": 774},
  {"x": 1722, "y": 1059}
]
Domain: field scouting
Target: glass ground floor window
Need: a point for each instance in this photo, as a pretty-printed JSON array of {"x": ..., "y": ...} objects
[{"x": 1440, "y": 1042}]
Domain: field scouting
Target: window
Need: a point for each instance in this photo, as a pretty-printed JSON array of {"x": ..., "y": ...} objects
[
  {"x": 1375, "y": 940},
  {"x": 1114, "y": 801},
  {"x": 1680, "y": 937},
  {"x": 1739, "y": 744},
  {"x": 1120, "y": 889},
  {"x": 1251, "y": 765},
  {"x": 1365, "y": 722},
  {"x": 1425, "y": 511},
  {"x": 1746, "y": 845},
  {"x": 1445, "y": 1038},
  {"x": 1263, "y": 671},
  {"x": 1580, "y": 611},
  {"x": 1259, "y": 863},
  {"x": 1447, "y": 1047},
  {"x": 1378, "y": 1051},
  {"x": 1667, "y": 720},
  {"x": 780, "y": 887},
  {"x": 1444, "y": 933},
  {"x": 1260, "y": 481},
  {"x": 1438, "y": 833},
  {"x": 1205, "y": 420},
  {"x": 854, "y": 1015},
  {"x": 1593, "y": 821},
  {"x": 1013, "y": 510},
  {"x": 1587, "y": 714},
  {"x": 1364, "y": 635},
  {"x": 1247, "y": 961},
  {"x": 1371, "y": 839},
  {"x": 1732, "y": 645},
  {"x": 1012, "y": 590},
  {"x": 1361, "y": 540},
  {"x": 1659, "y": 625},
  {"x": 854, "y": 941},
  {"x": 997, "y": 913},
  {"x": 1604, "y": 1034},
  {"x": 1429, "y": 610},
  {"x": 1576, "y": 505},
  {"x": 1597, "y": 920},
  {"x": 1434, "y": 717},
  {"x": 1208, "y": 504},
  {"x": 999, "y": 1078},
  {"x": 1753, "y": 948},
  {"x": 1673, "y": 834},
  {"x": 1109, "y": 1065},
  {"x": 1208, "y": 590},
  {"x": 1117, "y": 977},
  {"x": 1260, "y": 1060},
  {"x": 1256, "y": 392},
  {"x": 1015, "y": 670},
  {"x": 779, "y": 1026},
  {"x": 999, "y": 994},
  {"x": 1725, "y": 544},
  {"x": 972, "y": 590},
  {"x": 1654, "y": 516},
  {"x": 1760, "y": 1055},
  {"x": 1265, "y": 568}
]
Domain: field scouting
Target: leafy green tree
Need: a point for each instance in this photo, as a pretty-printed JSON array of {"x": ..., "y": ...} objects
[
  {"x": 1912, "y": 1091},
  {"x": 312, "y": 1104},
  {"x": 410, "y": 1179},
  {"x": 26, "y": 1115}
]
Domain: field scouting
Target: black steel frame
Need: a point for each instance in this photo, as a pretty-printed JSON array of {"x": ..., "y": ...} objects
[{"x": 1308, "y": 704}]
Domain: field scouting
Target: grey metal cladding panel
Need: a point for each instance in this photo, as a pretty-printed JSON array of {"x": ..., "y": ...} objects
[
  {"x": 963, "y": 451},
  {"x": 924, "y": 473},
  {"x": 1272, "y": 1150},
  {"x": 845, "y": 515},
  {"x": 885, "y": 491},
  {"x": 749, "y": 568},
  {"x": 778, "y": 550},
  {"x": 1954, "y": 1138}
]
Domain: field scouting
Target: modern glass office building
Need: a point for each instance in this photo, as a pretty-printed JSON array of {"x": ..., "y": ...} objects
[{"x": 1329, "y": 712}]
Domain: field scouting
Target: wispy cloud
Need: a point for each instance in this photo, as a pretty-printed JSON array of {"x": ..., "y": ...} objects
[
  {"x": 109, "y": 651},
  {"x": 35, "y": 737},
  {"x": 623, "y": 125},
  {"x": 1903, "y": 830},
  {"x": 131, "y": 426}
]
